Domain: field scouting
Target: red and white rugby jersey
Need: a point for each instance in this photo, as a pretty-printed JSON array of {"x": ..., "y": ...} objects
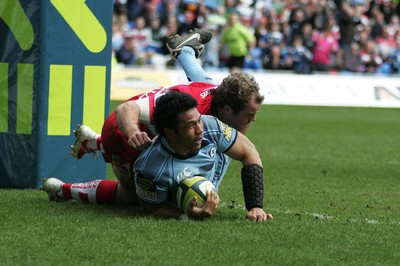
[{"x": 199, "y": 90}]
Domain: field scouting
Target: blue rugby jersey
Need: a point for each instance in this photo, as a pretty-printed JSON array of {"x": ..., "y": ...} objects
[{"x": 158, "y": 170}]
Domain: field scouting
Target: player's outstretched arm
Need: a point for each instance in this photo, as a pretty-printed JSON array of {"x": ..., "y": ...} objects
[
  {"x": 127, "y": 115},
  {"x": 243, "y": 150},
  {"x": 252, "y": 175}
]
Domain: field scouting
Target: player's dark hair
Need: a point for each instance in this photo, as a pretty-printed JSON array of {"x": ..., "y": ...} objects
[
  {"x": 168, "y": 107},
  {"x": 236, "y": 91}
]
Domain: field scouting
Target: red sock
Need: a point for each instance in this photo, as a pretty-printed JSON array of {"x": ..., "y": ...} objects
[
  {"x": 99, "y": 143},
  {"x": 97, "y": 191}
]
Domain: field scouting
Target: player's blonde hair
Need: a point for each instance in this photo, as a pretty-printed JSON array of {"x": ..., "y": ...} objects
[{"x": 236, "y": 90}]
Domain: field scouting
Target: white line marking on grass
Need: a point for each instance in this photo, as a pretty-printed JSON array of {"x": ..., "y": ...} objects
[
  {"x": 323, "y": 216},
  {"x": 371, "y": 221},
  {"x": 316, "y": 215},
  {"x": 320, "y": 216}
]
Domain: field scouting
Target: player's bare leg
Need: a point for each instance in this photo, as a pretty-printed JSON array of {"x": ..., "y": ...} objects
[{"x": 126, "y": 192}]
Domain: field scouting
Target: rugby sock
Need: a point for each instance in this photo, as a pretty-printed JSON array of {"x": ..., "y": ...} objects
[
  {"x": 97, "y": 191},
  {"x": 191, "y": 66},
  {"x": 93, "y": 145},
  {"x": 99, "y": 146}
]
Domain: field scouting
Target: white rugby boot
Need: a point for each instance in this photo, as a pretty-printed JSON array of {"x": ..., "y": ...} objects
[
  {"x": 84, "y": 135},
  {"x": 52, "y": 186}
]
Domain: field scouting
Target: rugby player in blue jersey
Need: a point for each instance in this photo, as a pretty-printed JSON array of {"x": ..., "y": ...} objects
[{"x": 188, "y": 145}]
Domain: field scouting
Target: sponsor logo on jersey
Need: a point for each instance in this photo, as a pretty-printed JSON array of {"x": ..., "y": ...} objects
[
  {"x": 186, "y": 173},
  {"x": 145, "y": 183},
  {"x": 156, "y": 92},
  {"x": 212, "y": 152},
  {"x": 205, "y": 93},
  {"x": 146, "y": 189},
  {"x": 146, "y": 195},
  {"x": 226, "y": 130}
]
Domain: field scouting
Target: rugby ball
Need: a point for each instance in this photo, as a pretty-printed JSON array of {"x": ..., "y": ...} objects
[{"x": 191, "y": 187}]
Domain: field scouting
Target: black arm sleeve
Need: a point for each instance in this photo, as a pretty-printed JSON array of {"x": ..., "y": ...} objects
[{"x": 253, "y": 186}]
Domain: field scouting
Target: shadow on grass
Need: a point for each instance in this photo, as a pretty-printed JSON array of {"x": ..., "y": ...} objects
[
  {"x": 36, "y": 202},
  {"x": 40, "y": 201}
]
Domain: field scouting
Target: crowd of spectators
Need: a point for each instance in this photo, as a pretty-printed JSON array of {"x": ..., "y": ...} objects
[{"x": 360, "y": 36}]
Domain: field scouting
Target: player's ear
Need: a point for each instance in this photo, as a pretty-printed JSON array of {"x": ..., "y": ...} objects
[{"x": 227, "y": 109}]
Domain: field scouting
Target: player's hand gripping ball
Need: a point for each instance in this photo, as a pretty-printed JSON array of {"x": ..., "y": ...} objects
[{"x": 191, "y": 187}]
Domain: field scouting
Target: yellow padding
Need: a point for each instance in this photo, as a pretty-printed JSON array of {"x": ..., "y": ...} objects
[{"x": 60, "y": 97}]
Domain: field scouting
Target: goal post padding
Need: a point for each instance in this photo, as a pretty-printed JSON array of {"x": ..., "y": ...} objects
[{"x": 55, "y": 60}]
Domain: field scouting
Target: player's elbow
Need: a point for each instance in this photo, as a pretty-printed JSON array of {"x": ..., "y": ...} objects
[{"x": 251, "y": 157}]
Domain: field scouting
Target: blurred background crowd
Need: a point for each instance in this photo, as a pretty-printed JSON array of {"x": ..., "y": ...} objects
[{"x": 303, "y": 36}]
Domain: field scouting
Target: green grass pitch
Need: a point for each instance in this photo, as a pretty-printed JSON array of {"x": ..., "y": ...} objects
[{"x": 332, "y": 185}]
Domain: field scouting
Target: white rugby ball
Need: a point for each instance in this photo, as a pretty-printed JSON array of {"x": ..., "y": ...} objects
[{"x": 191, "y": 187}]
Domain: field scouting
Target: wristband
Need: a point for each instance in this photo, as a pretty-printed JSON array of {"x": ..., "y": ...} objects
[{"x": 253, "y": 186}]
